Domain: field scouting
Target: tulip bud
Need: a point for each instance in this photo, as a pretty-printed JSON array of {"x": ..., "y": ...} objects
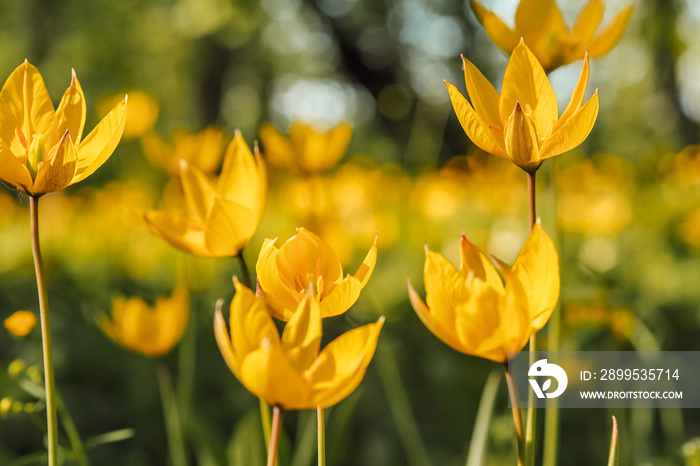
[
  {"x": 35, "y": 155},
  {"x": 520, "y": 137}
]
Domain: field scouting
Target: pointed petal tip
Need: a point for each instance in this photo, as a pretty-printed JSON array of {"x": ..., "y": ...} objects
[{"x": 427, "y": 250}]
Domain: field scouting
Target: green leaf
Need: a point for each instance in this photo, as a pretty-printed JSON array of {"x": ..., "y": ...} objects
[{"x": 247, "y": 445}]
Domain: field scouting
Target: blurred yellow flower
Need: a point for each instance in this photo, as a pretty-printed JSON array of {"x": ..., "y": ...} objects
[
  {"x": 474, "y": 312},
  {"x": 594, "y": 195},
  {"x": 541, "y": 25},
  {"x": 306, "y": 148},
  {"x": 20, "y": 323},
  {"x": 143, "y": 111},
  {"x": 290, "y": 372},
  {"x": 284, "y": 275},
  {"x": 621, "y": 320},
  {"x": 523, "y": 123},
  {"x": 41, "y": 149},
  {"x": 222, "y": 215},
  {"x": 202, "y": 150},
  {"x": 152, "y": 331}
]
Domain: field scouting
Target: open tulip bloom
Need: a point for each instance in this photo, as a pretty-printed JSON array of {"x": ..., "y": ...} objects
[
  {"x": 290, "y": 372},
  {"x": 149, "y": 330},
  {"x": 223, "y": 215},
  {"x": 285, "y": 274},
  {"x": 542, "y": 27},
  {"x": 307, "y": 148},
  {"x": 42, "y": 149},
  {"x": 523, "y": 123},
  {"x": 474, "y": 312}
]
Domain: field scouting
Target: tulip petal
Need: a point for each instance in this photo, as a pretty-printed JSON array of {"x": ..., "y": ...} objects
[
  {"x": 341, "y": 298},
  {"x": 278, "y": 149},
  {"x": 279, "y": 297},
  {"x": 13, "y": 171},
  {"x": 480, "y": 325},
  {"x": 319, "y": 150},
  {"x": 223, "y": 340},
  {"x": 26, "y": 106},
  {"x": 535, "y": 16},
  {"x": 576, "y": 97},
  {"x": 99, "y": 145},
  {"x": 526, "y": 82},
  {"x": 587, "y": 22},
  {"x": 266, "y": 373},
  {"x": 197, "y": 188},
  {"x": 71, "y": 111},
  {"x": 446, "y": 333},
  {"x": 228, "y": 227},
  {"x": 573, "y": 132},
  {"x": 477, "y": 131},
  {"x": 445, "y": 287},
  {"x": 58, "y": 173},
  {"x": 365, "y": 270},
  {"x": 240, "y": 179},
  {"x": 178, "y": 230},
  {"x": 301, "y": 338},
  {"x": 250, "y": 323},
  {"x": 503, "y": 36},
  {"x": 483, "y": 95},
  {"x": 537, "y": 269},
  {"x": 474, "y": 262},
  {"x": 342, "y": 364},
  {"x": 609, "y": 38}
]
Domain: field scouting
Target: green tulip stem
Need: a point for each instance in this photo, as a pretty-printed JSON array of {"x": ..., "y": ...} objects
[
  {"x": 173, "y": 427},
  {"x": 265, "y": 417},
  {"x": 244, "y": 270},
  {"x": 51, "y": 421},
  {"x": 517, "y": 417},
  {"x": 531, "y": 419},
  {"x": 321, "y": 437},
  {"x": 275, "y": 435}
]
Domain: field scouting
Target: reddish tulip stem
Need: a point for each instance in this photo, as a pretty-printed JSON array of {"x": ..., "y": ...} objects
[
  {"x": 531, "y": 421},
  {"x": 274, "y": 438},
  {"x": 531, "y": 197},
  {"x": 517, "y": 417},
  {"x": 51, "y": 422}
]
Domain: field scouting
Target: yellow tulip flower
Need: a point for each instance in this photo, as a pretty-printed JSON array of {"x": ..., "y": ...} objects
[
  {"x": 42, "y": 149},
  {"x": 203, "y": 149},
  {"x": 222, "y": 215},
  {"x": 541, "y": 25},
  {"x": 523, "y": 123},
  {"x": 151, "y": 331},
  {"x": 20, "y": 323},
  {"x": 284, "y": 275},
  {"x": 471, "y": 309},
  {"x": 307, "y": 148},
  {"x": 290, "y": 372}
]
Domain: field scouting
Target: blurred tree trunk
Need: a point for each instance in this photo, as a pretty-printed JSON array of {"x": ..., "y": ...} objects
[{"x": 661, "y": 26}]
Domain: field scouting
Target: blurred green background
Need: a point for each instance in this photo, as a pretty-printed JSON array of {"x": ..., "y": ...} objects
[{"x": 624, "y": 211}]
